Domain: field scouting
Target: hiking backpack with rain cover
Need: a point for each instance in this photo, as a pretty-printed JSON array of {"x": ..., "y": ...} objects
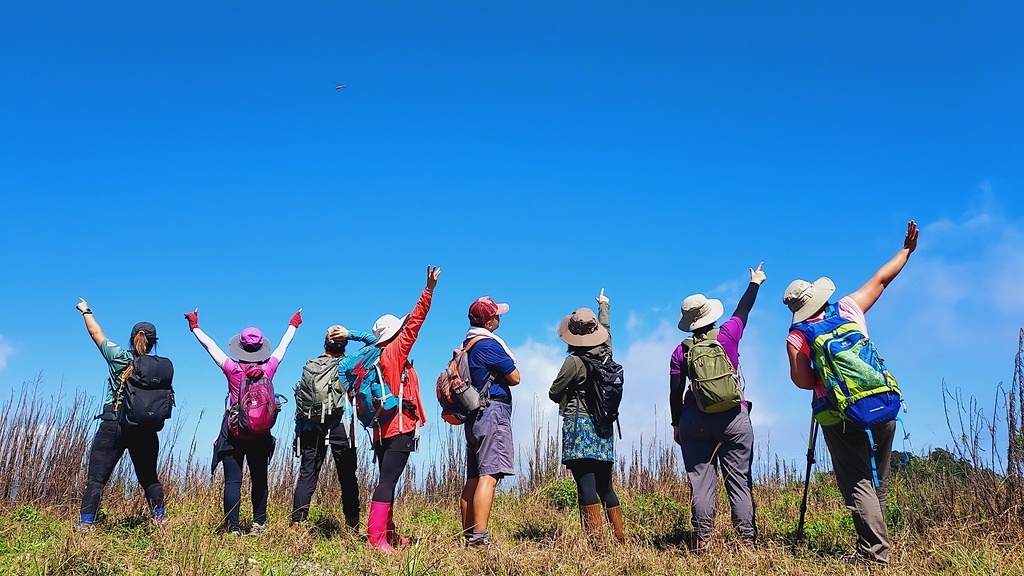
[
  {"x": 254, "y": 413},
  {"x": 603, "y": 390},
  {"x": 714, "y": 381},
  {"x": 459, "y": 399},
  {"x": 319, "y": 394},
  {"x": 858, "y": 387},
  {"x": 375, "y": 403},
  {"x": 146, "y": 398}
]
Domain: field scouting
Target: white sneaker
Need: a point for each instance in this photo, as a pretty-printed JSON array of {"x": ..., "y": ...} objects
[{"x": 258, "y": 528}]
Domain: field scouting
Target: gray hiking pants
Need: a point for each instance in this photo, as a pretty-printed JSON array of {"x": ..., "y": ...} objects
[
  {"x": 726, "y": 439},
  {"x": 851, "y": 461}
]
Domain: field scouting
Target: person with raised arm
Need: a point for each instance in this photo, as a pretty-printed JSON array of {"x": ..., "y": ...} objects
[
  {"x": 112, "y": 438},
  {"x": 325, "y": 419},
  {"x": 397, "y": 437},
  {"x": 711, "y": 420},
  {"x": 588, "y": 447},
  {"x": 250, "y": 414},
  {"x": 856, "y": 452}
]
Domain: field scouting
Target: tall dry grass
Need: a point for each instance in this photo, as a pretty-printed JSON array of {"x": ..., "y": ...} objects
[{"x": 951, "y": 510}]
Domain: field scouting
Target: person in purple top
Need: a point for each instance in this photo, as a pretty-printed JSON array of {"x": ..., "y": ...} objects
[{"x": 724, "y": 437}]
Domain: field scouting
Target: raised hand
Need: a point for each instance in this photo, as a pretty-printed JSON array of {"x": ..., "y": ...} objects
[
  {"x": 758, "y": 276},
  {"x": 193, "y": 319},
  {"x": 82, "y": 305},
  {"x": 601, "y": 298},
  {"x": 433, "y": 272},
  {"x": 910, "y": 241},
  {"x": 296, "y": 319}
]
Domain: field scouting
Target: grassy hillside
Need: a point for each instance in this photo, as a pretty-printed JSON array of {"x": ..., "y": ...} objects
[{"x": 948, "y": 512}]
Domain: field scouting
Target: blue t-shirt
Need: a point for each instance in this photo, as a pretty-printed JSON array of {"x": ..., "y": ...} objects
[{"x": 488, "y": 357}]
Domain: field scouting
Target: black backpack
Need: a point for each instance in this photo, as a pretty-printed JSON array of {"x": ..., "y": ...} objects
[
  {"x": 146, "y": 397},
  {"x": 603, "y": 391}
]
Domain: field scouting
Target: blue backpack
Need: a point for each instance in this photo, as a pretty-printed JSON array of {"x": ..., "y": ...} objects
[
  {"x": 859, "y": 389},
  {"x": 375, "y": 403}
]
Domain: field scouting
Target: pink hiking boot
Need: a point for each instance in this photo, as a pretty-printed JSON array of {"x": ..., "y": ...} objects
[
  {"x": 393, "y": 538},
  {"x": 377, "y": 527}
]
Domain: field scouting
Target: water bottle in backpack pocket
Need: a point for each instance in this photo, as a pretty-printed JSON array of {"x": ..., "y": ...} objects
[
  {"x": 254, "y": 413},
  {"x": 146, "y": 397},
  {"x": 459, "y": 399}
]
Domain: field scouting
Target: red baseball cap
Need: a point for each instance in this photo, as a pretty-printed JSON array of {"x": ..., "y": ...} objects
[{"x": 484, "y": 308}]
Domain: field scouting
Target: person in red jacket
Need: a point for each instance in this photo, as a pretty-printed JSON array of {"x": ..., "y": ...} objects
[{"x": 394, "y": 440}]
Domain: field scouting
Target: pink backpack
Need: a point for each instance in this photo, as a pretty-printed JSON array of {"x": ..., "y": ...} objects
[{"x": 255, "y": 412}]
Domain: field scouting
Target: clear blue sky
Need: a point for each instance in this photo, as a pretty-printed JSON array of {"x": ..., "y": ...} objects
[{"x": 159, "y": 157}]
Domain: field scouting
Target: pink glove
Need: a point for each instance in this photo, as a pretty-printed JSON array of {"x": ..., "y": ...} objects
[
  {"x": 296, "y": 319},
  {"x": 193, "y": 319}
]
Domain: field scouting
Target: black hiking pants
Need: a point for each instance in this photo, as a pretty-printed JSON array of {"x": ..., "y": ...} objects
[
  {"x": 313, "y": 443},
  {"x": 108, "y": 445}
]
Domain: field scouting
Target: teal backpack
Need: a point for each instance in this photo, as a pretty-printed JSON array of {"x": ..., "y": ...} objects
[{"x": 374, "y": 400}]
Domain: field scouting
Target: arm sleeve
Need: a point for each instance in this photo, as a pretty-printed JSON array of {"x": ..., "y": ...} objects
[
  {"x": 677, "y": 384},
  {"x": 408, "y": 334},
  {"x": 567, "y": 376},
  {"x": 604, "y": 317},
  {"x": 746, "y": 302},
  {"x": 362, "y": 337},
  {"x": 215, "y": 352},
  {"x": 285, "y": 341}
]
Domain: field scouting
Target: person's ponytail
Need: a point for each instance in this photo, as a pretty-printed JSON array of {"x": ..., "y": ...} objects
[{"x": 141, "y": 344}]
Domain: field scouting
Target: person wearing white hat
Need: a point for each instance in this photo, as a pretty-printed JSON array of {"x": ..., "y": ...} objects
[
  {"x": 722, "y": 434},
  {"x": 849, "y": 447},
  {"x": 394, "y": 440}
]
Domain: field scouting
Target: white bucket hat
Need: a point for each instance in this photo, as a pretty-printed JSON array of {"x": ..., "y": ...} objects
[
  {"x": 698, "y": 311},
  {"x": 385, "y": 328},
  {"x": 805, "y": 298}
]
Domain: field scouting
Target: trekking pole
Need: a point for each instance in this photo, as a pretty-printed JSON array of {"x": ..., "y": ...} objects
[{"x": 807, "y": 478}]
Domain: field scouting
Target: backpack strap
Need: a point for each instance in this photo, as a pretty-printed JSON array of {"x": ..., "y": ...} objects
[
  {"x": 486, "y": 386},
  {"x": 124, "y": 378}
]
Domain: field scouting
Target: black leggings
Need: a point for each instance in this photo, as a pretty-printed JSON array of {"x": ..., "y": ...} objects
[
  {"x": 313, "y": 451},
  {"x": 108, "y": 445},
  {"x": 392, "y": 456},
  {"x": 593, "y": 481},
  {"x": 257, "y": 452}
]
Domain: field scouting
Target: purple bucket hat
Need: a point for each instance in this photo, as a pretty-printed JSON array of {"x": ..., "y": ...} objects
[{"x": 250, "y": 346}]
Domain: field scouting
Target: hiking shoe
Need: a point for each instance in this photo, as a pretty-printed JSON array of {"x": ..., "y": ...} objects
[
  {"x": 479, "y": 542},
  {"x": 258, "y": 529},
  {"x": 84, "y": 527},
  {"x": 159, "y": 518}
]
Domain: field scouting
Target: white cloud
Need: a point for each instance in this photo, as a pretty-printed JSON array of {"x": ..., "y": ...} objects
[{"x": 5, "y": 352}]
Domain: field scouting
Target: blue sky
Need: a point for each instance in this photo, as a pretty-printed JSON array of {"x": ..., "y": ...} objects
[{"x": 156, "y": 158}]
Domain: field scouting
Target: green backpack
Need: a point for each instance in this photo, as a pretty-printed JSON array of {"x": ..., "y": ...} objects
[
  {"x": 714, "y": 381},
  {"x": 319, "y": 395}
]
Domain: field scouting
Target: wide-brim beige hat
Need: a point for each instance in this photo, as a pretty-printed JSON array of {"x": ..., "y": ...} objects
[
  {"x": 804, "y": 298},
  {"x": 581, "y": 328},
  {"x": 385, "y": 328},
  {"x": 698, "y": 311}
]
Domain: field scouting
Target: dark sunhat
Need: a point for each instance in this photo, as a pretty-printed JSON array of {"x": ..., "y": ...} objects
[{"x": 250, "y": 346}]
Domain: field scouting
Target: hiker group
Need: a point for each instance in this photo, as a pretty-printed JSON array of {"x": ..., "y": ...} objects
[{"x": 855, "y": 401}]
